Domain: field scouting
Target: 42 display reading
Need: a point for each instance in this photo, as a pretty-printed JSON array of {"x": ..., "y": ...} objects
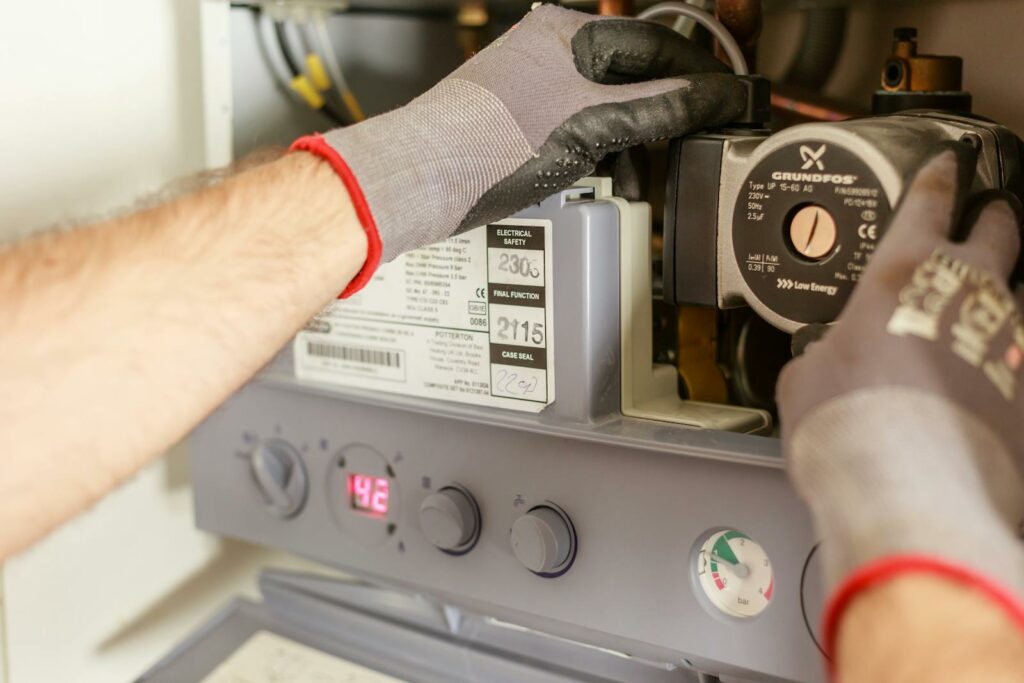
[{"x": 369, "y": 494}]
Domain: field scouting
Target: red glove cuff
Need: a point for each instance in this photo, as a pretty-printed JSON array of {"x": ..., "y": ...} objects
[
  {"x": 894, "y": 566},
  {"x": 315, "y": 144}
]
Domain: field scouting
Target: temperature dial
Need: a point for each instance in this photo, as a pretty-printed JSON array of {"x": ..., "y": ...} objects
[
  {"x": 544, "y": 540},
  {"x": 280, "y": 477},
  {"x": 450, "y": 519},
  {"x": 735, "y": 574}
]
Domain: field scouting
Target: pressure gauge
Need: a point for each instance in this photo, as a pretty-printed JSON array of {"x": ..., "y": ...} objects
[{"x": 735, "y": 574}]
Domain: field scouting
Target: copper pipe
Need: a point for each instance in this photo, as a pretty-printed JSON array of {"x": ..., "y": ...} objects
[
  {"x": 790, "y": 102},
  {"x": 744, "y": 19},
  {"x": 471, "y": 19},
  {"x": 807, "y": 110},
  {"x": 615, "y": 8}
]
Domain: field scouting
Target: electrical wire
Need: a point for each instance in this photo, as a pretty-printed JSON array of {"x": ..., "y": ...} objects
[
  {"x": 707, "y": 20},
  {"x": 328, "y": 108},
  {"x": 686, "y": 26},
  {"x": 280, "y": 31},
  {"x": 323, "y": 38}
]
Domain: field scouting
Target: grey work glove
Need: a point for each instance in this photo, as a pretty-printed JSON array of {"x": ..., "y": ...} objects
[
  {"x": 529, "y": 115},
  {"x": 902, "y": 427}
]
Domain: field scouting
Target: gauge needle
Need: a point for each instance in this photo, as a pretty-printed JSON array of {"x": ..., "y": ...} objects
[
  {"x": 810, "y": 235},
  {"x": 740, "y": 570}
]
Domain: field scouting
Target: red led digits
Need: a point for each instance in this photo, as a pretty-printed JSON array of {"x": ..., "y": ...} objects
[
  {"x": 379, "y": 499},
  {"x": 368, "y": 494}
]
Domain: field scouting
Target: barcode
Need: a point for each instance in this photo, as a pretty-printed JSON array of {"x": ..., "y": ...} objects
[{"x": 355, "y": 354}]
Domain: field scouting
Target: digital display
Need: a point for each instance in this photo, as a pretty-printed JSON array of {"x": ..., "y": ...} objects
[{"x": 368, "y": 494}]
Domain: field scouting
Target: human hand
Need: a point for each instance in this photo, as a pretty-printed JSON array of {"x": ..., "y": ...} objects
[
  {"x": 527, "y": 116},
  {"x": 902, "y": 426}
]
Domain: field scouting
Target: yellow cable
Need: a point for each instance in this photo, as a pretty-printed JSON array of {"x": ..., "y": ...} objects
[
  {"x": 352, "y": 105},
  {"x": 304, "y": 87},
  {"x": 317, "y": 72}
]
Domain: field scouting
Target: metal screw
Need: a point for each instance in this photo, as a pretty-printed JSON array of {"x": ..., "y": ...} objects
[{"x": 974, "y": 140}]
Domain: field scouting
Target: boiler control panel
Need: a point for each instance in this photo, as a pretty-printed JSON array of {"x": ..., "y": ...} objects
[{"x": 604, "y": 514}]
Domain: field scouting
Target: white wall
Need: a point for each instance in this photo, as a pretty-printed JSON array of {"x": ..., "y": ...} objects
[{"x": 101, "y": 103}]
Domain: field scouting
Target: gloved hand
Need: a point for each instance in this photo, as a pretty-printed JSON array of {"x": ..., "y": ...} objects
[
  {"x": 902, "y": 426},
  {"x": 529, "y": 115}
]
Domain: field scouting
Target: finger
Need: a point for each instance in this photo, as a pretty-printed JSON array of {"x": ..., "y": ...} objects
[
  {"x": 617, "y": 51},
  {"x": 608, "y": 125},
  {"x": 656, "y": 110},
  {"x": 933, "y": 202},
  {"x": 993, "y": 241}
]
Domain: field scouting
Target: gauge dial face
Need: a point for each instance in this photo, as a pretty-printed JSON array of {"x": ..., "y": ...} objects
[{"x": 735, "y": 574}]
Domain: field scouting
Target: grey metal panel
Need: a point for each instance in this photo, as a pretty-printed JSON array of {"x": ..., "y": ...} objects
[
  {"x": 478, "y": 631},
  {"x": 381, "y": 636},
  {"x": 638, "y": 514}
]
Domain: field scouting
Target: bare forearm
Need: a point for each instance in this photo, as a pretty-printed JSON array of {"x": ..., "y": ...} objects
[
  {"x": 118, "y": 338},
  {"x": 922, "y": 628}
]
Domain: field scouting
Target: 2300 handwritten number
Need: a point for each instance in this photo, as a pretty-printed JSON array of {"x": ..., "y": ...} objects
[
  {"x": 513, "y": 329},
  {"x": 518, "y": 265}
]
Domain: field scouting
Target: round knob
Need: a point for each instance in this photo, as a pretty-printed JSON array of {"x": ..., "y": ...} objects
[
  {"x": 280, "y": 477},
  {"x": 544, "y": 541},
  {"x": 812, "y": 232},
  {"x": 450, "y": 519}
]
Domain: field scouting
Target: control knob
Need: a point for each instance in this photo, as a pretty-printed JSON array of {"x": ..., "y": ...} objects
[
  {"x": 450, "y": 519},
  {"x": 813, "y": 232},
  {"x": 544, "y": 541},
  {"x": 280, "y": 477}
]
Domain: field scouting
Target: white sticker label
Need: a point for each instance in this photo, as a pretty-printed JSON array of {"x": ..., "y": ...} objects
[
  {"x": 269, "y": 658},
  {"x": 466, "y": 320}
]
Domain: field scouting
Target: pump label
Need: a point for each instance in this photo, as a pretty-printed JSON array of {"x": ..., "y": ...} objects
[
  {"x": 840, "y": 193},
  {"x": 466, "y": 320}
]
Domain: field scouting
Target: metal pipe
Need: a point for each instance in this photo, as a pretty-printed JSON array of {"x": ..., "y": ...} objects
[
  {"x": 615, "y": 8},
  {"x": 744, "y": 19},
  {"x": 809, "y": 110},
  {"x": 708, "y": 21}
]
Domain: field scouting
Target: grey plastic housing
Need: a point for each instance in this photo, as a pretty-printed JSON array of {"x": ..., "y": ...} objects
[{"x": 641, "y": 494}]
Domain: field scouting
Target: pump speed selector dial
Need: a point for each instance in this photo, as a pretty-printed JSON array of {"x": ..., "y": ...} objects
[
  {"x": 544, "y": 541},
  {"x": 450, "y": 520},
  {"x": 812, "y": 232}
]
